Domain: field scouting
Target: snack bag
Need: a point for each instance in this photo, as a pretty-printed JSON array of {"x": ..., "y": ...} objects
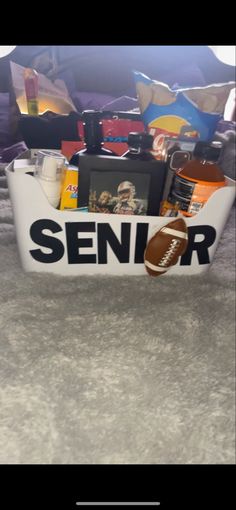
[{"x": 192, "y": 112}]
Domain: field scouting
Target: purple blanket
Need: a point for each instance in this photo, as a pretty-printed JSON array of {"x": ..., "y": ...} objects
[
  {"x": 4, "y": 119},
  {"x": 9, "y": 150}
]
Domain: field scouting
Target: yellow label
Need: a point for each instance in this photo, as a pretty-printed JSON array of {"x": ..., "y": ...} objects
[
  {"x": 69, "y": 195},
  {"x": 169, "y": 123}
]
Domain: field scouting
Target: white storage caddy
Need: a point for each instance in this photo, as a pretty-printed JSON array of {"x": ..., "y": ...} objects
[{"x": 48, "y": 239}]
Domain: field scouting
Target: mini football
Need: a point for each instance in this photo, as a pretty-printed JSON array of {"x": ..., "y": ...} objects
[{"x": 165, "y": 247}]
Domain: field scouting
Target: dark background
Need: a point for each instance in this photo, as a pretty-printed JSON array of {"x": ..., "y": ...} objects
[{"x": 60, "y": 486}]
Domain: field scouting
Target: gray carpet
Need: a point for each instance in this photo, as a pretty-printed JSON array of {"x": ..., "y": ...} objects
[{"x": 118, "y": 370}]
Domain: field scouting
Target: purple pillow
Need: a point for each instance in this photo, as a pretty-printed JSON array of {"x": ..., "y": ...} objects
[
  {"x": 90, "y": 100},
  {"x": 121, "y": 104}
]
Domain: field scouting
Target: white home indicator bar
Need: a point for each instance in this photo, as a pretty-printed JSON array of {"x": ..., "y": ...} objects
[{"x": 118, "y": 503}]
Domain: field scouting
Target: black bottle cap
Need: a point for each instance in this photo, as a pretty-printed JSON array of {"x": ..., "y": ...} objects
[
  {"x": 208, "y": 151},
  {"x": 93, "y": 133},
  {"x": 142, "y": 140},
  {"x": 91, "y": 115}
]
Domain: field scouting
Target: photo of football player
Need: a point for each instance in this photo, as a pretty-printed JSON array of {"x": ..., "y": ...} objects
[{"x": 127, "y": 204}]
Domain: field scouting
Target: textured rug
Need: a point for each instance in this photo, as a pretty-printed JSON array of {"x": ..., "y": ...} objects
[{"x": 121, "y": 370}]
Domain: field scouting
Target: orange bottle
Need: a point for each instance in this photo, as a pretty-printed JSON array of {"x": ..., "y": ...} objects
[
  {"x": 195, "y": 182},
  {"x": 31, "y": 90}
]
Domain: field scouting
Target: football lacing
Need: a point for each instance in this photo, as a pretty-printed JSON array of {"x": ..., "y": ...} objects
[{"x": 170, "y": 252}]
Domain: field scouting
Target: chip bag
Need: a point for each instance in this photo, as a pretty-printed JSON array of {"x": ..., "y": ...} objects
[{"x": 187, "y": 112}]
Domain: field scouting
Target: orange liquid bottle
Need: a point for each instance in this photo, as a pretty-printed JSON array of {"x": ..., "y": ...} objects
[{"x": 194, "y": 183}]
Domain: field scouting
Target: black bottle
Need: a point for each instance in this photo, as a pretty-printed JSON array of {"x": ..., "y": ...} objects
[
  {"x": 139, "y": 146},
  {"x": 93, "y": 136}
]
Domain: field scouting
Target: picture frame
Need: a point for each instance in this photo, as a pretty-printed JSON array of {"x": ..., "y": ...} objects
[{"x": 116, "y": 185}]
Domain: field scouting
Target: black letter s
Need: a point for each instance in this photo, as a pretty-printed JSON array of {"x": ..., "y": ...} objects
[{"x": 54, "y": 244}]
